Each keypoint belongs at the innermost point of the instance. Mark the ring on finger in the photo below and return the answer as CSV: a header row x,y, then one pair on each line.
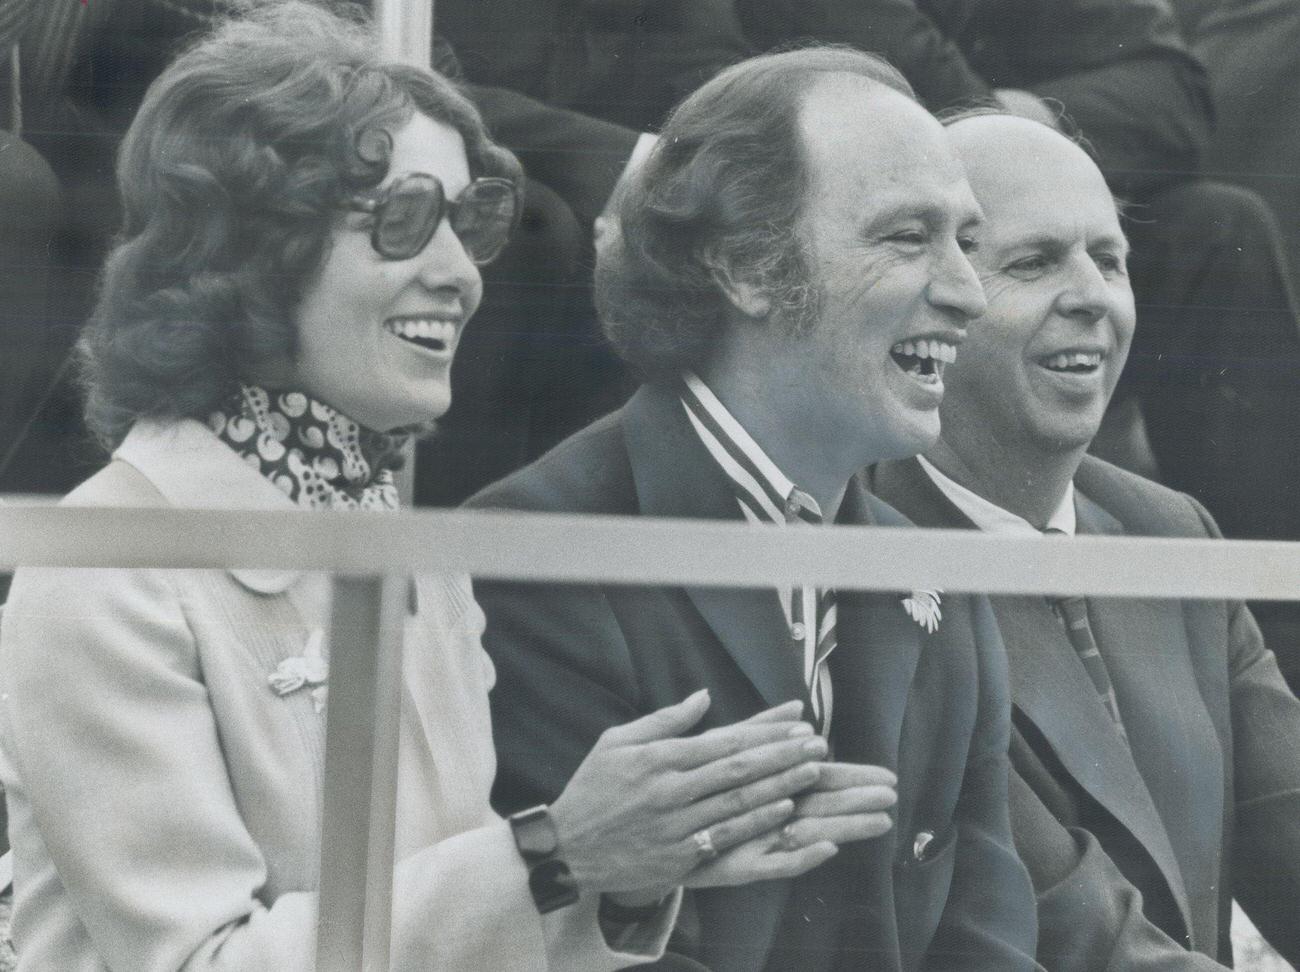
x,y
704,849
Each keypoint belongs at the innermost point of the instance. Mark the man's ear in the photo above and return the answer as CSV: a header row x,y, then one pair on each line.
x,y
740,288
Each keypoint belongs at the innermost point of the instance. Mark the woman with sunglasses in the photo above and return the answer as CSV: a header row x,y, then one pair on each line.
x,y
303,225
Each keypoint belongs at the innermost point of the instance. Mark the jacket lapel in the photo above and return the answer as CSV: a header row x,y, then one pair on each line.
x,y
676,477
1051,688
1053,691
1175,745
193,469
877,654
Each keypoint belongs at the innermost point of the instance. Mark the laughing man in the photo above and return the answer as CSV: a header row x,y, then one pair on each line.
x,y
791,278
1155,747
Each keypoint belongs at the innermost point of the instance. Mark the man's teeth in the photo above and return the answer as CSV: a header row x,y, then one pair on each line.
x,y
938,350
425,330
1073,361
924,360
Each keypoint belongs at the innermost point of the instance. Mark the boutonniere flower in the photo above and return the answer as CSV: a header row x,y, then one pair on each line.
x,y
310,669
923,608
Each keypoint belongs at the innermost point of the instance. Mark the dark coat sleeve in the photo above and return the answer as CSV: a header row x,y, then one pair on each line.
x,y
1266,784
1089,915
990,919
1125,76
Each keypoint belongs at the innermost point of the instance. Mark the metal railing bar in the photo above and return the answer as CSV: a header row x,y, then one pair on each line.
x,y
405,29
360,788
630,550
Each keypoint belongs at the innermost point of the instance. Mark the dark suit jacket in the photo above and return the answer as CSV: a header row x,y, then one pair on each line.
x,y
1205,805
1120,67
573,661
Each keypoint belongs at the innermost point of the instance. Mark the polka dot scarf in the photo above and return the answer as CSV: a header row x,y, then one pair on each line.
x,y
318,457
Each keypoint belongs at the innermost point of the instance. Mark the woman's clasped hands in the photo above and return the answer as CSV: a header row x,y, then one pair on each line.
x,y
650,809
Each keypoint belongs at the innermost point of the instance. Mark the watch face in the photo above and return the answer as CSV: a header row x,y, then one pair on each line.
x,y
535,833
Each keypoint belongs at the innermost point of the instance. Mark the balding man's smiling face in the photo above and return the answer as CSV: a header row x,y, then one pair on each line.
x,y
1039,367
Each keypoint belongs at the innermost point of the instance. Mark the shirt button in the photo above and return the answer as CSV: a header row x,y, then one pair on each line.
x,y
797,631
921,844
791,507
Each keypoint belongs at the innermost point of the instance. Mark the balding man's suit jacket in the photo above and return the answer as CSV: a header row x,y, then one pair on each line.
x,y
1205,803
575,660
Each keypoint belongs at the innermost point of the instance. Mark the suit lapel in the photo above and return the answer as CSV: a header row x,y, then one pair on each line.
x,y
1050,687
877,654
676,477
1145,646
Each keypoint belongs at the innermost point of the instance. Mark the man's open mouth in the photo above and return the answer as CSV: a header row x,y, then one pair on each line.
x,y
429,333
1073,362
924,360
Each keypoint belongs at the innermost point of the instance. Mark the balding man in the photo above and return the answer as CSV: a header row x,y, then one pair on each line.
x,y
1155,746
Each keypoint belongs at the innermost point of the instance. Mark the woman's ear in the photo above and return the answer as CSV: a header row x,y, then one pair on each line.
x,y
741,289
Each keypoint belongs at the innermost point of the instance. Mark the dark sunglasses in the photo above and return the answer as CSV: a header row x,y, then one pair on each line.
x,y
408,210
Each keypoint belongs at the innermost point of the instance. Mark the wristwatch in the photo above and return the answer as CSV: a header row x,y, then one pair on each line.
x,y
549,878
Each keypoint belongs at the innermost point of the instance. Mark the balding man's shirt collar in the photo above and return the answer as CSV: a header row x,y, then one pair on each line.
x,y
992,518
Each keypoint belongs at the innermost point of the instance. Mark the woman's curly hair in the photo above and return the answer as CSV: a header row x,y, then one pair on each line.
x,y
722,188
231,176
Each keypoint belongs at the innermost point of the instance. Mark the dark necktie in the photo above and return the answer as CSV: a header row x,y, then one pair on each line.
x,y
1073,612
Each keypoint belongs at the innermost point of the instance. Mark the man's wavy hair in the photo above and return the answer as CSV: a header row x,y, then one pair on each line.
x,y
722,190
232,176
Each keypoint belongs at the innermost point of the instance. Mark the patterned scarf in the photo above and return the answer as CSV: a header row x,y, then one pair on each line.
x,y
320,458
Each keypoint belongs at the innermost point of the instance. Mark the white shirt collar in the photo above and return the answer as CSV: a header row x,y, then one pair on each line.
x,y
992,518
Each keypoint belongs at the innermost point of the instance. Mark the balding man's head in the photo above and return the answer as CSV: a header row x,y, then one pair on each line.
x,y
1039,367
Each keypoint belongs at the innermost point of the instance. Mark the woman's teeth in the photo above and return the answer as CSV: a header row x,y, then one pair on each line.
x,y
924,359
1073,361
427,332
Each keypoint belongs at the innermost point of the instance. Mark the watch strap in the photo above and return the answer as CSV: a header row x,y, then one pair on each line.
x,y
550,881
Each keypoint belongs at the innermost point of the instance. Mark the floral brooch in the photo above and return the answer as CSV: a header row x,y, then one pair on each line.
x,y
923,608
310,669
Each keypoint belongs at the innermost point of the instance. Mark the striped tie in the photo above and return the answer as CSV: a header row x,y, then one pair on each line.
x,y
1073,612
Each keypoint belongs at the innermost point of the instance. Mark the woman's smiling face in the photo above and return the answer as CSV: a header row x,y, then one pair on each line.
x,y
376,337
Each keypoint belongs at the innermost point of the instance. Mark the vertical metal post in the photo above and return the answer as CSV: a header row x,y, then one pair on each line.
x,y
360,793
406,30
354,926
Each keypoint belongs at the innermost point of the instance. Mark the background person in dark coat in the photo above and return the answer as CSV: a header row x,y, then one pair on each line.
x,y
1138,824
771,367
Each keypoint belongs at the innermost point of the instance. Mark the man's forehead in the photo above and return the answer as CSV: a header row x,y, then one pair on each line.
x,y
1021,208
1053,190
858,132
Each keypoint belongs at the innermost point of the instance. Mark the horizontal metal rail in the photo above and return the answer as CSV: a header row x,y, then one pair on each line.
x,y
625,550
369,554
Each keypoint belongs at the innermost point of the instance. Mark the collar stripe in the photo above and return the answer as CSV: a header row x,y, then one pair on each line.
x,y
743,450
743,474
